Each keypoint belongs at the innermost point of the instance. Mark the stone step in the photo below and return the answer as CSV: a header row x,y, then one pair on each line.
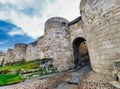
x,y
74,80
77,75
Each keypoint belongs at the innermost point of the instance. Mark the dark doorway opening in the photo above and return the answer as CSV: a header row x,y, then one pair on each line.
x,y
80,52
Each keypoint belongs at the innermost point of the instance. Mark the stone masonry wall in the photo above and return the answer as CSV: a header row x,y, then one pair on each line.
x,y
57,43
40,48
31,51
76,30
19,51
9,57
2,57
102,21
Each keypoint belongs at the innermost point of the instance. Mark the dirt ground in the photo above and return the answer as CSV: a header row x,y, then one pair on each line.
x,y
89,81
96,81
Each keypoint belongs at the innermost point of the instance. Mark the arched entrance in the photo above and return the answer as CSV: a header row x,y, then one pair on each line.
x,y
80,52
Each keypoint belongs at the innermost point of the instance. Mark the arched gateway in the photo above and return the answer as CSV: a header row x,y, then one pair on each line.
x,y
80,52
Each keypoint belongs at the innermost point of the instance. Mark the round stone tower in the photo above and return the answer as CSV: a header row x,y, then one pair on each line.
x,y
57,41
19,51
102,21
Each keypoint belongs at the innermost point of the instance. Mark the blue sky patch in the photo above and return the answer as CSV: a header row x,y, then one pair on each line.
x,y
7,41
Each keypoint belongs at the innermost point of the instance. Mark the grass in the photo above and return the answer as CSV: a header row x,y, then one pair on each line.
x,y
6,79
26,66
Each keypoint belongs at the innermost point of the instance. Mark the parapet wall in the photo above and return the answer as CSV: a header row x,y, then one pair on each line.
x,y
102,21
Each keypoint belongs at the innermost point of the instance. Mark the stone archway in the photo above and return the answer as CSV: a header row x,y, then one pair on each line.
x,y
80,52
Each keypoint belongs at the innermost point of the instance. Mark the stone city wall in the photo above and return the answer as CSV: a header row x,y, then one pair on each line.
x,y
55,44
31,51
102,21
9,57
2,58
76,29
19,51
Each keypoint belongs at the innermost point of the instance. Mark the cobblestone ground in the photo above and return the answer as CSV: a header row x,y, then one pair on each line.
x,y
95,81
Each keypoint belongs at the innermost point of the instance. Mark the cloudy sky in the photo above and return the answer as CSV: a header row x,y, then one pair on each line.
x,y
22,21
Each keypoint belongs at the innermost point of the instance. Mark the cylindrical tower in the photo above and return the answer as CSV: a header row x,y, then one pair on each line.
x,y
102,21
57,43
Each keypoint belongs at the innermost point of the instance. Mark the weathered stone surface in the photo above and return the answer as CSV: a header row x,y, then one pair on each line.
x,y
54,44
57,43
19,51
2,58
102,21
31,51
76,30
9,57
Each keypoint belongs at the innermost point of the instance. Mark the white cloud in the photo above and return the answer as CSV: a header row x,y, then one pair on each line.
x,y
33,25
68,9
16,31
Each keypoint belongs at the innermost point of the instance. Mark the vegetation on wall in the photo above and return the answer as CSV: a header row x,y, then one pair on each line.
x,y
20,71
